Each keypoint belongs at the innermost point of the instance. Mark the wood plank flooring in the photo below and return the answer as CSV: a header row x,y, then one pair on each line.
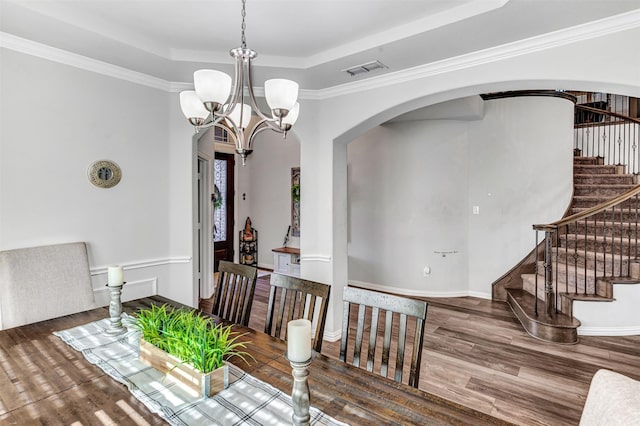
x,y
477,354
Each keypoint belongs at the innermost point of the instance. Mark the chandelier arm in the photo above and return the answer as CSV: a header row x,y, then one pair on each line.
x,y
273,125
238,138
237,88
229,131
253,97
260,127
210,121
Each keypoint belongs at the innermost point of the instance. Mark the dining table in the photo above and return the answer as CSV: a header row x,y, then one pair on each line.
x,y
43,381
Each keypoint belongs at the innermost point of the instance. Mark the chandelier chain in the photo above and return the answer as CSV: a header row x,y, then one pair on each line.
x,y
244,25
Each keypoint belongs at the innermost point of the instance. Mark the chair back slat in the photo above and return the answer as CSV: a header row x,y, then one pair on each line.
x,y
371,353
370,303
359,331
386,348
418,341
235,288
402,338
295,298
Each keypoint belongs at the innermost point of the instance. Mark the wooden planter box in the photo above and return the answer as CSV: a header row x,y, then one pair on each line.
x,y
204,385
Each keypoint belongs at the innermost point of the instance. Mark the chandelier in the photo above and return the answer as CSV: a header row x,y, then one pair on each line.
x,y
214,103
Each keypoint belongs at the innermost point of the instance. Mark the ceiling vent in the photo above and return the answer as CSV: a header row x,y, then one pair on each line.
x,y
364,68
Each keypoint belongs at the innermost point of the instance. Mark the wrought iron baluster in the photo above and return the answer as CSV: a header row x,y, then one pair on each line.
x,y
604,243
636,224
585,261
575,263
557,290
628,231
548,272
595,248
621,249
535,307
566,258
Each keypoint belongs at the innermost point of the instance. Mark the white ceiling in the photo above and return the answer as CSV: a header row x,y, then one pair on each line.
x,y
310,41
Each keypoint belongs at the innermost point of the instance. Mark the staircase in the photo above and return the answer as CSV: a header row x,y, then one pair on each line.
x,y
596,245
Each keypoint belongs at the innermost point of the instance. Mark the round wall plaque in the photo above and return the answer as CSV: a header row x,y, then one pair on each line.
x,y
104,174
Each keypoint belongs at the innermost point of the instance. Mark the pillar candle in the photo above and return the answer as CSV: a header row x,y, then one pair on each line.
x,y
299,340
115,275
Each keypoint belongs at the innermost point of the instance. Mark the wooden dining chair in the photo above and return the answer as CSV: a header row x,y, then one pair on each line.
x,y
370,303
235,287
294,298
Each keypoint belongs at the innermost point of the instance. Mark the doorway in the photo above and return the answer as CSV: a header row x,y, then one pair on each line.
x,y
223,212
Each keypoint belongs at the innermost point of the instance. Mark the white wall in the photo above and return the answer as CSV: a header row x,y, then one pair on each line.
x,y
56,121
520,174
268,203
182,152
412,187
408,198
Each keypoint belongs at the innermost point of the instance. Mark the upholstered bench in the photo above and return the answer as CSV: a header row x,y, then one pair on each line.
x,y
613,399
40,283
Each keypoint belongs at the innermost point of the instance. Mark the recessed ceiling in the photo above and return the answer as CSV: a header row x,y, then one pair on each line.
x,y
311,41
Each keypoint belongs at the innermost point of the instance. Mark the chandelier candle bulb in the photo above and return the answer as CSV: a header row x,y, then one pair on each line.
x,y
299,340
115,275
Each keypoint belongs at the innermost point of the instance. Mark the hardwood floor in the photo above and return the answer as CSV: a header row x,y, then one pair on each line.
x,y
477,354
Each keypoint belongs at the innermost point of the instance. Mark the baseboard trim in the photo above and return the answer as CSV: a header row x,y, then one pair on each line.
x,y
315,258
265,266
420,293
609,331
332,336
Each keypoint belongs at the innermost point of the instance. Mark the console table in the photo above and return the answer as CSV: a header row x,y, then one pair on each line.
x,y
286,260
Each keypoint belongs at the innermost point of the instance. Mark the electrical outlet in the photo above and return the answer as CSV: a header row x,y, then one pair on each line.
x,y
476,209
426,271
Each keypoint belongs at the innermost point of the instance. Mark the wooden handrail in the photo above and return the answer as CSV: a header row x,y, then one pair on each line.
x,y
609,113
589,212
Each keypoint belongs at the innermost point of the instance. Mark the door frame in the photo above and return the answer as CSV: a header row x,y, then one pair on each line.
x,y
204,254
230,196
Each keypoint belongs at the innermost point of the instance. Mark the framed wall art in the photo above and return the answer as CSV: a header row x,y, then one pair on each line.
x,y
295,201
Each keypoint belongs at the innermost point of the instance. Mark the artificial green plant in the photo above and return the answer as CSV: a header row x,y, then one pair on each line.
x,y
189,336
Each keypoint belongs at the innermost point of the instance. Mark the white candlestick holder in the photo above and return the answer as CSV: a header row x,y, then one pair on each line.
x,y
300,393
115,311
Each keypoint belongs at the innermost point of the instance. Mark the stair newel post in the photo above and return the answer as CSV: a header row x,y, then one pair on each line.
x,y
548,271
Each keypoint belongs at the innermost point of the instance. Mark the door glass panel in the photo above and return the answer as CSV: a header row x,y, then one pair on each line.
x,y
220,200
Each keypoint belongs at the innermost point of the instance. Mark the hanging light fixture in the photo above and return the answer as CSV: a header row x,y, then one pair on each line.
x,y
214,103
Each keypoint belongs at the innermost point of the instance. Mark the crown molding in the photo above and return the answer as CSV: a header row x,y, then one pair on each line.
x,y
65,57
423,25
590,30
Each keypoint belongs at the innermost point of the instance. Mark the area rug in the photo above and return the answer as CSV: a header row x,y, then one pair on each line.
x,y
247,401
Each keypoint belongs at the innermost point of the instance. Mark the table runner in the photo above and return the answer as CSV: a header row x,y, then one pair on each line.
x,y
247,401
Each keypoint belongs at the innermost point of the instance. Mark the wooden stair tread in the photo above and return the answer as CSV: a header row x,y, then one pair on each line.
x,y
613,223
587,297
580,269
594,197
592,254
605,185
558,328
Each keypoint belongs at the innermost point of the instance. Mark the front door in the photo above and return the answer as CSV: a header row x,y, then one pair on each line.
x,y
222,199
